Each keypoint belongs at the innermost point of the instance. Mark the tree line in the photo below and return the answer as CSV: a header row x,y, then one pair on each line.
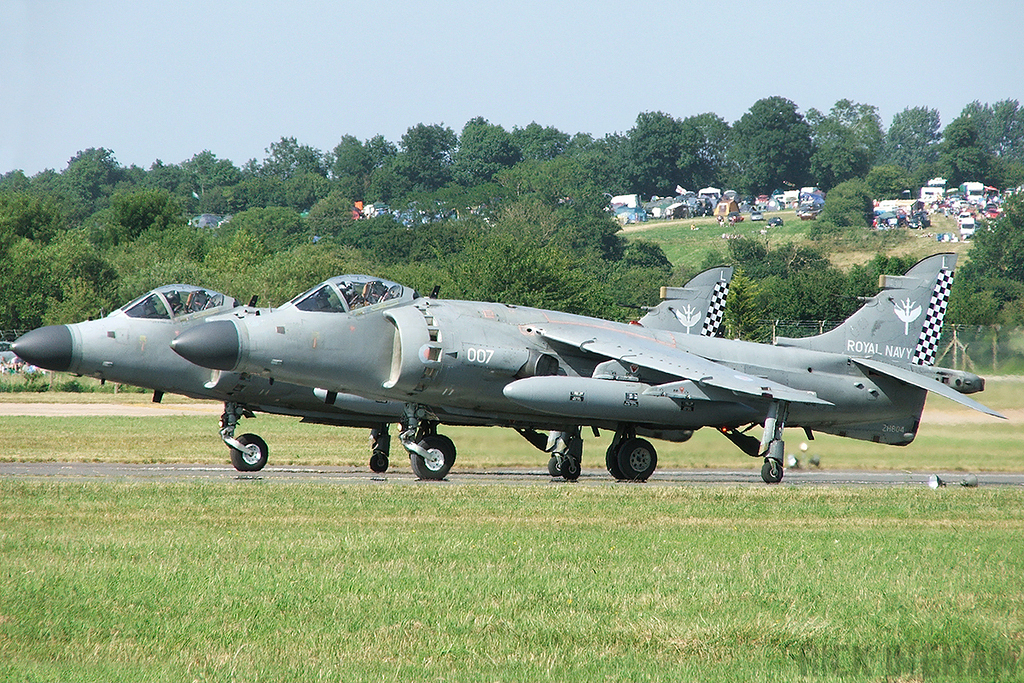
x,y
515,216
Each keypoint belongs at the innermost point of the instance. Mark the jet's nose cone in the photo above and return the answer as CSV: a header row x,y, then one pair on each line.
x,y
213,345
48,347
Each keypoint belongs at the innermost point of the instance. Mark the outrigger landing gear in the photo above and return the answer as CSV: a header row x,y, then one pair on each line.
x,y
629,458
431,454
249,453
566,450
773,448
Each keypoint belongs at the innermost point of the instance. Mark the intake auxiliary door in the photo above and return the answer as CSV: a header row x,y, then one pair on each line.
x,y
416,354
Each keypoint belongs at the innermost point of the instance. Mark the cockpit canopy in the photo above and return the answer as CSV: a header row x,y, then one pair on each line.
x,y
174,301
347,293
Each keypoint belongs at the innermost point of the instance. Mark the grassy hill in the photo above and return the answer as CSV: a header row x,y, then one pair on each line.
x,y
687,242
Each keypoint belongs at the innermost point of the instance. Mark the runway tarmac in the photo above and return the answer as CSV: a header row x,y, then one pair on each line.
x,y
77,471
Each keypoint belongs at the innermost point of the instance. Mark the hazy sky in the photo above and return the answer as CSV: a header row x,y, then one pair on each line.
x,y
166,80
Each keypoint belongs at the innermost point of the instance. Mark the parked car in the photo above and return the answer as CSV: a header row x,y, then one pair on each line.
x,y
756,215
775,222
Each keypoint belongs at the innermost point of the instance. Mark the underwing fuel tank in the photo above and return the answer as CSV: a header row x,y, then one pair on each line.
x,y
588,399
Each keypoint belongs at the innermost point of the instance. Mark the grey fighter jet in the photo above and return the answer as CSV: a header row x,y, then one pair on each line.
x,y
538,369
132,346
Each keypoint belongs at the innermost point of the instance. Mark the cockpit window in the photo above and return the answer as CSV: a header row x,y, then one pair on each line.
x,y
151,307
359,294
173,301
324,298
348,293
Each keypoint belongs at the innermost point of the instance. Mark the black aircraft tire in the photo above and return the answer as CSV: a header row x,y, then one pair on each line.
x,y
440,443
637,459
771,471
611,461
244,462
570,468
379,462
553,466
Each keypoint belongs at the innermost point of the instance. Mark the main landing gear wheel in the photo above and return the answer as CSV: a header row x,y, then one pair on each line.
x,y
611,460
637,459
254,457
771,471
441,452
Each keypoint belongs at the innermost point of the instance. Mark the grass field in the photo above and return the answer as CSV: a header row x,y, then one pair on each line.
x,y
687,242
253,581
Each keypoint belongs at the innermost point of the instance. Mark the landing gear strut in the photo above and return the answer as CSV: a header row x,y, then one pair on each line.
x,y
249,453
773,448
380,445
566,450
431,454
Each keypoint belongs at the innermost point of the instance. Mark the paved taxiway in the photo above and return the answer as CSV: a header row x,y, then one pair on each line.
x,y
77,471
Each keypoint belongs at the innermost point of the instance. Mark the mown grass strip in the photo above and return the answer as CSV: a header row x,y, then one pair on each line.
x,y
257,581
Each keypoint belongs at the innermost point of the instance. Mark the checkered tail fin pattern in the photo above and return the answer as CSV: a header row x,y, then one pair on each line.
x,y
928,343
716,309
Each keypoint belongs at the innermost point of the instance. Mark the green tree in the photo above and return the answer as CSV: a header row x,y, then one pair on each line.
x,y
207,173
849,205
26,284
38,217
517,269
743,311
276,228
887,182
1000,128
287,159
330,215
846,142
703,151
913,138
424,163
651,154
90,179
963,157
132,213
484,150
537,143
998,249
82,281
771,146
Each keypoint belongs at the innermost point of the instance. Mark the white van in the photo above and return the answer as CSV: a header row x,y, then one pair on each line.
x,y
967,224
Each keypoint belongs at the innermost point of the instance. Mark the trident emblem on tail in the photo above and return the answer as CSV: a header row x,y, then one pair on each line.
x,y
907,312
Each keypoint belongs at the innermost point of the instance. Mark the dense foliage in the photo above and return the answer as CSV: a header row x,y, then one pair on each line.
x,y
518,216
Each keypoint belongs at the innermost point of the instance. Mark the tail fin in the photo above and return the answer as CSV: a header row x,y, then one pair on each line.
x,y
695,308
894,326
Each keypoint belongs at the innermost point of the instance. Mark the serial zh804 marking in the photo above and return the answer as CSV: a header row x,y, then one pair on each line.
x,y
470,362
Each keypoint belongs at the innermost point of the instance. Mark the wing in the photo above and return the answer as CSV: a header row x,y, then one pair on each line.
x,y
639,350
922,382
